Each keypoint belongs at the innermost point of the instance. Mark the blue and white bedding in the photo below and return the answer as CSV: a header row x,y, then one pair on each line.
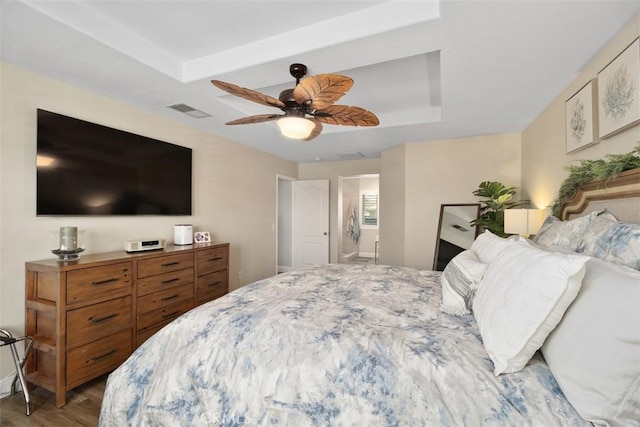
x,y
334,345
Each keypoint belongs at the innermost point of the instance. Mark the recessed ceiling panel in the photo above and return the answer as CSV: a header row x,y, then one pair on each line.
x,y
199,28
399,92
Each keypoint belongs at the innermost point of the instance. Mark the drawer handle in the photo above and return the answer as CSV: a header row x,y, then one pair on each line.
x,y
218,258
214,283
164,316
171,297
104,319
169,264
104,282
103,356
175,279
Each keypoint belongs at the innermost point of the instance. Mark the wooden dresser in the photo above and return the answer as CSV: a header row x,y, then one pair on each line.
x,y
87,316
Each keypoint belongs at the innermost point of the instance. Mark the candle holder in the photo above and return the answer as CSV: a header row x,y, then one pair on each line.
x,y
67,255
70,244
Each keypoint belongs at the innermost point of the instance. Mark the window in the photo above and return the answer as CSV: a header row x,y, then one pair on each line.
x,y
370,209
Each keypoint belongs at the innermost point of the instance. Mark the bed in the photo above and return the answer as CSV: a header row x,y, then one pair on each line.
x,y
382,345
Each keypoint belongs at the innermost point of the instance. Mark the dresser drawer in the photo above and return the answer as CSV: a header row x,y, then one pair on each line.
x,y
164,315
100,283
212,286
211,260
150,267
97,321
144,335
97,358
159,282
164,298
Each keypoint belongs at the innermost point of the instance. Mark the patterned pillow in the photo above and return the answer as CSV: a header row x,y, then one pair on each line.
x,y
612,241
567,233
459,281
548,222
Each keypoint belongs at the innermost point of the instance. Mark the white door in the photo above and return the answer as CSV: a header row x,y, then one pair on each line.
x,y
310,222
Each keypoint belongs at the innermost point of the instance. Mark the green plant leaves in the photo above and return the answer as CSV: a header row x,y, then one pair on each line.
x,y
498,198
589,170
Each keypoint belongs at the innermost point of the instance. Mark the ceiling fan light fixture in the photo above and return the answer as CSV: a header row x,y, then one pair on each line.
x,y
295,127
306,107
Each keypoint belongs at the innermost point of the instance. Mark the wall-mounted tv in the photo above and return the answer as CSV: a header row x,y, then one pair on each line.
x,y
88,169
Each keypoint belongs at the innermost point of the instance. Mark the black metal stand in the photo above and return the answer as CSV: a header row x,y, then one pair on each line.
x,y
7,339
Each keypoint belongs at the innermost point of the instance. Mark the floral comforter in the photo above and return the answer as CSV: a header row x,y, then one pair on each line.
x,y
331,345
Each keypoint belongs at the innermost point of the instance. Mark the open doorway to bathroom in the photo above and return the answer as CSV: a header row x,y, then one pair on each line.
x,y
358,218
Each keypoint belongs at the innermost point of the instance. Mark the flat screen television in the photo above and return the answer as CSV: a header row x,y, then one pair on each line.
x,y
88,169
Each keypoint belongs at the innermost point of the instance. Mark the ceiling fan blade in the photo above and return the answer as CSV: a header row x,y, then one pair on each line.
x,y
346,116
255,119
316,130
322,90
249,94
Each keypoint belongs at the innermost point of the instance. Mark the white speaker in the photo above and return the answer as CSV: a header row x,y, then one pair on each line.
x,y
183,234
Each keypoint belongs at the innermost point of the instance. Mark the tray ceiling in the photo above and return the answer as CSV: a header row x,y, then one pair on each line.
x,y
429,70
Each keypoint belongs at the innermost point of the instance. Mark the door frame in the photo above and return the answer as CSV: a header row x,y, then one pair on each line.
x,y
280,177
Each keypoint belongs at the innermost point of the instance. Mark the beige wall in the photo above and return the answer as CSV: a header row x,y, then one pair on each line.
x,y
543,142
392,205
331,171
223,203
435,173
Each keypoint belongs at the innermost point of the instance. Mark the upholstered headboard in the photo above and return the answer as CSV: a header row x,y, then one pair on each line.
x,y
619,195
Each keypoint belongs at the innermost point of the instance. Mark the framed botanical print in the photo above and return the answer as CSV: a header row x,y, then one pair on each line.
x,y
619,92
580,123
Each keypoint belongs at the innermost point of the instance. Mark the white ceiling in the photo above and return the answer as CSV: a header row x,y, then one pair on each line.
x,y
429,70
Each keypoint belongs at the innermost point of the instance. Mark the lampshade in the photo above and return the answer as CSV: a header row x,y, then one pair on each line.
x,y
523,221
295,127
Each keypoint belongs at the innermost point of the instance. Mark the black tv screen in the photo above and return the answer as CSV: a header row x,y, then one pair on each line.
x,y
88,169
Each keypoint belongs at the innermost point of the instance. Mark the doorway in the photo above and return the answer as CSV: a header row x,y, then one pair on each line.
x,y
302,230
358,218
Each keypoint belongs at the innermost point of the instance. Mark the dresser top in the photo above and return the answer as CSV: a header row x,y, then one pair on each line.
x,y
91,260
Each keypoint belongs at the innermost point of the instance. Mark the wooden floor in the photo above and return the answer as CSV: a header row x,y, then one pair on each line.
x,y
82,408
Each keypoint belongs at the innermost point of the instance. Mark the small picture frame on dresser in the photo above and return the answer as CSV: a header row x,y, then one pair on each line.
x,y
201,237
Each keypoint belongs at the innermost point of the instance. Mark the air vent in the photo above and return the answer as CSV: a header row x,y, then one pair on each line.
x,y
189,111
351,156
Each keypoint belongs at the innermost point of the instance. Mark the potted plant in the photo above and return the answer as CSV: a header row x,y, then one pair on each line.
x,y
497,199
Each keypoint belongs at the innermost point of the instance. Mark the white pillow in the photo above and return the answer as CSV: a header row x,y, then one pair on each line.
x,y
521,298
487,246
459,281
594,353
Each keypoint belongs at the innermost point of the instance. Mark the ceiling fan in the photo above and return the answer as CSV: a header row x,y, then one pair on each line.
x,y
306,106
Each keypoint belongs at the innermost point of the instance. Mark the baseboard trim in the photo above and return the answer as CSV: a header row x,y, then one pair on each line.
x,y
284,268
